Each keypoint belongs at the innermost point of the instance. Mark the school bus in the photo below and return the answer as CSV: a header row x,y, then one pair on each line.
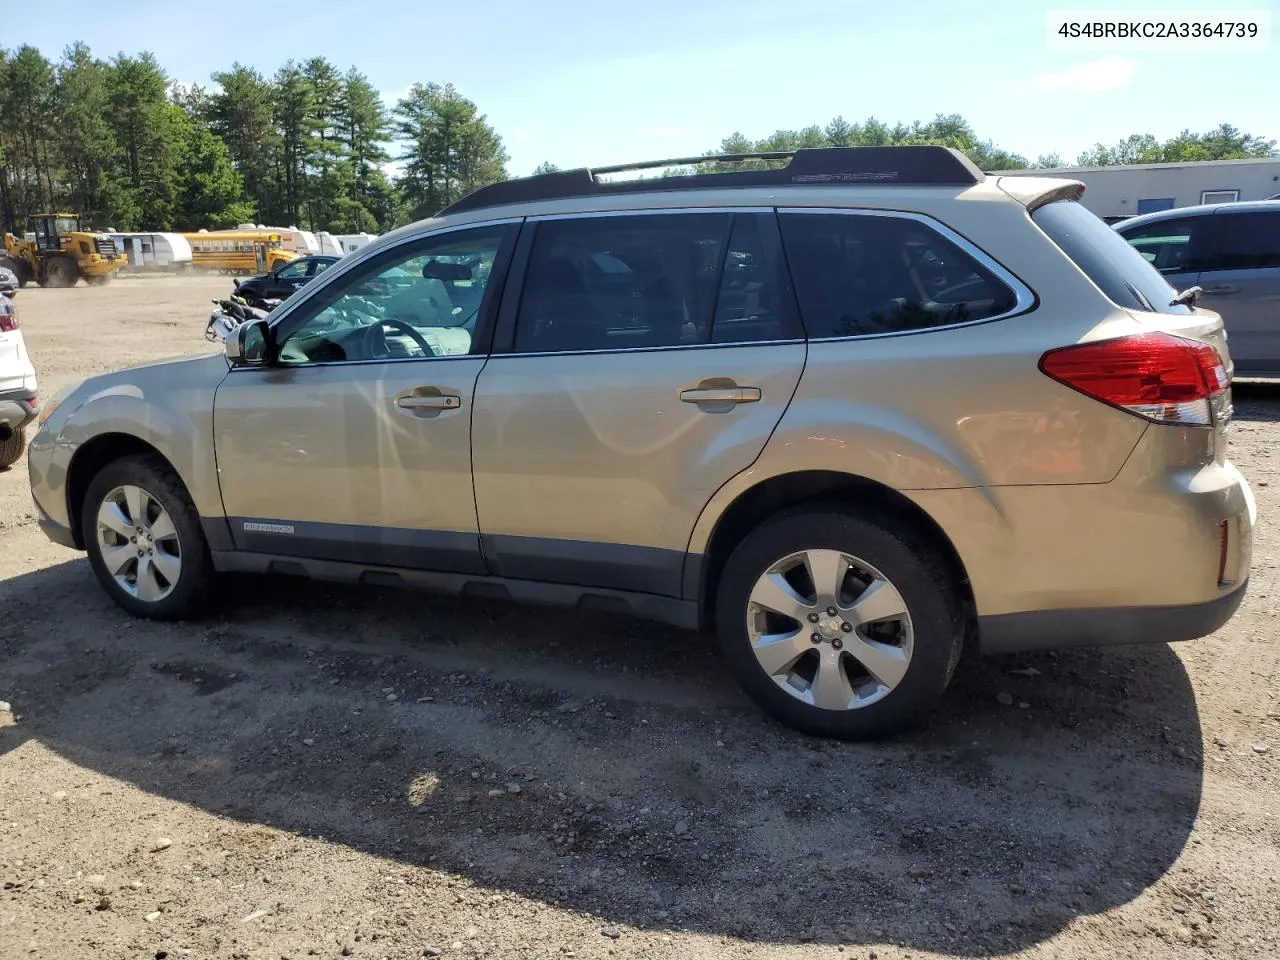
x,y
237,251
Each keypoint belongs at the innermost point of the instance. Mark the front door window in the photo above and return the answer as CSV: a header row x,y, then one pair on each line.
x,y
421,301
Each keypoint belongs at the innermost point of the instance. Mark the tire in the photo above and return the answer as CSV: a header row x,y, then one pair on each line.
x,y
181,590
915,655
11,449
61,272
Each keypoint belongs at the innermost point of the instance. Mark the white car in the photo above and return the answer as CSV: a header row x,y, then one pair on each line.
x,y
18,404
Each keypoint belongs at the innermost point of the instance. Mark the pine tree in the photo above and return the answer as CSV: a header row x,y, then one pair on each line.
x,y
364,129
149,131
331,178
449,149
86,145
294,109
241,114
27,111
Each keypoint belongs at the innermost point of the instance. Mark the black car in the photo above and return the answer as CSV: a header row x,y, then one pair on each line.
x,y
285,279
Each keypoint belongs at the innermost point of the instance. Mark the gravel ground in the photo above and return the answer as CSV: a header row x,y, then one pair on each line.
x,y
329,772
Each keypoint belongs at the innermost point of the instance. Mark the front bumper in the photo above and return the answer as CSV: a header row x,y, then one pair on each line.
x,y
59,533
47,466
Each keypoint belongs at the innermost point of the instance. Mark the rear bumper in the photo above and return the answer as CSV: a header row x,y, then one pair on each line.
x,y
1108,626
17,408
1139,559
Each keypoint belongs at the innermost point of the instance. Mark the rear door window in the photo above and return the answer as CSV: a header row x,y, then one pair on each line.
x,y
1249,241
1106,258
755,303
860,274
621,282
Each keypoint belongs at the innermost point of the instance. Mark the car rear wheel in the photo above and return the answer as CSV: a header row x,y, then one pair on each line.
x,y
838,626
144,540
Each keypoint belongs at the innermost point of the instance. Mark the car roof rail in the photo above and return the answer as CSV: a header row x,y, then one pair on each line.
x,y
914,166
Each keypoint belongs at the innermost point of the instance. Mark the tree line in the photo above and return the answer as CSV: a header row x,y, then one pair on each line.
x,y
1224,142
119,142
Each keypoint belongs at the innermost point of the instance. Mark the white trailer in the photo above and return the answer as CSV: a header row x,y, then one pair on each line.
x,y
340,244
154,251
328,243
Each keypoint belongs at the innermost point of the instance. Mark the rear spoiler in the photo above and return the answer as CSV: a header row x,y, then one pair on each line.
x,y
1035,192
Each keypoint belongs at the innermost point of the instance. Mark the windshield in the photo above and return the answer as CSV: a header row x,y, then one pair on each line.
x,y
1106,258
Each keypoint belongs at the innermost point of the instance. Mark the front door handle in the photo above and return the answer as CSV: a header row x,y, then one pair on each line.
x,y
720,395
1221,289
436,401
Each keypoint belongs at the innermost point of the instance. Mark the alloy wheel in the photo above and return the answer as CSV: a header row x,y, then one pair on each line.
x,y
830,629
138,543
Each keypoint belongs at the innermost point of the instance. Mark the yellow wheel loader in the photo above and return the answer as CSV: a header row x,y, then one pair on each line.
x,y
60,253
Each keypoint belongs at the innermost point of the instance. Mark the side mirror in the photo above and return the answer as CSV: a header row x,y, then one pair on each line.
x,y
247,344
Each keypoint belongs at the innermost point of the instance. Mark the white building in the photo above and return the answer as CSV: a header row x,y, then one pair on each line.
x,y
1116,192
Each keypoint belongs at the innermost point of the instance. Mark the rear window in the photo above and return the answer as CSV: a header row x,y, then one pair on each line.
x,y
860,274
1106,258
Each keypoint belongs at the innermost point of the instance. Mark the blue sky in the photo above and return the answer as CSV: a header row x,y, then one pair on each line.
x,y
596,83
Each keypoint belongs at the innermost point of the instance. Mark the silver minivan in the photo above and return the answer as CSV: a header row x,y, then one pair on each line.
x,y
1232,252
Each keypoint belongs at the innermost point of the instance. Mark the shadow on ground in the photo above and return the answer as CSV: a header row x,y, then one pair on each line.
x,y
650,791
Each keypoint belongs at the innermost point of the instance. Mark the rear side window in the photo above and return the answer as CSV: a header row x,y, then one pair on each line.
x,y
1171,246
1248,241
1106,258
862,274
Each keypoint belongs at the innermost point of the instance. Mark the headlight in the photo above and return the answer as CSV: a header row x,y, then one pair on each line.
x,y
50,405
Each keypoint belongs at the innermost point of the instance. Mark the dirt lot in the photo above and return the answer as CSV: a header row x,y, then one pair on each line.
x,y
328,772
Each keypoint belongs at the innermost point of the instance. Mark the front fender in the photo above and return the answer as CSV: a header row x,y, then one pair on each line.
x,y
168,406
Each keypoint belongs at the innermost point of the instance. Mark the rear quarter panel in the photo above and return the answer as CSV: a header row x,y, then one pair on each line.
x,y
959,408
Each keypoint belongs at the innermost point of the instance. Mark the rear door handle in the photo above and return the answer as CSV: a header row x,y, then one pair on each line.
x,y
429,402
720,395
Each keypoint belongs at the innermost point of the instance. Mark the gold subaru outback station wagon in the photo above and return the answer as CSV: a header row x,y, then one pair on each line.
x,y
854,410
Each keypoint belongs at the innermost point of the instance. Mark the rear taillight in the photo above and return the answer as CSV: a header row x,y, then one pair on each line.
x,y
8,322
1159,376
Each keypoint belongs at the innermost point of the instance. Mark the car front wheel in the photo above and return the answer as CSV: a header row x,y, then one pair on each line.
x,y
838,626
144,540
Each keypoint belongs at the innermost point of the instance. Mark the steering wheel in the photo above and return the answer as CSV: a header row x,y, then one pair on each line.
x,y
375,338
